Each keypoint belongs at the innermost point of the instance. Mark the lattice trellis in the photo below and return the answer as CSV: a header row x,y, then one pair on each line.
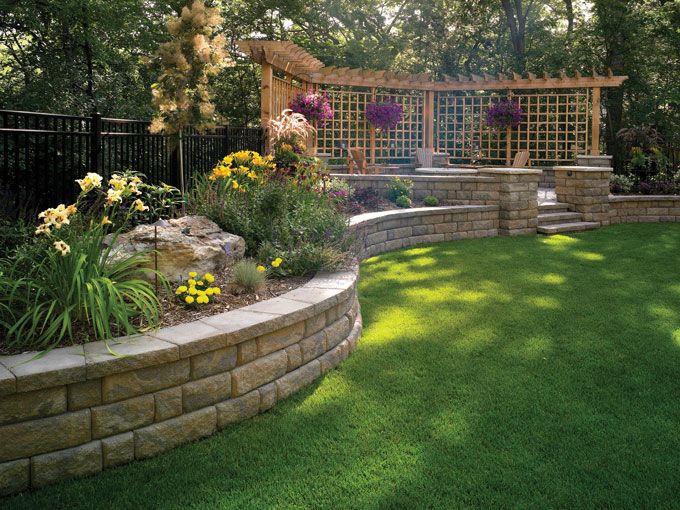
x,y
283,92
553,130
350,129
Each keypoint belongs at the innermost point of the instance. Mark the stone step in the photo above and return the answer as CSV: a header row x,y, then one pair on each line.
x,y
554,218
553,207
562,228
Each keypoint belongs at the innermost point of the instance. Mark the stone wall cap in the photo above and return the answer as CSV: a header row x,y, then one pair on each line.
x,y
511,171
413,177
375,217
583,168
8,381
34,371
643,198
593,156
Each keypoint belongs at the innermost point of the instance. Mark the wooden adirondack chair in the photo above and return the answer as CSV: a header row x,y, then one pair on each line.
x,y
521,159
357,160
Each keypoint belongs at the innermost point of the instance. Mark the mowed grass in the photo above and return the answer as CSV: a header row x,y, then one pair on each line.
x,y
528,372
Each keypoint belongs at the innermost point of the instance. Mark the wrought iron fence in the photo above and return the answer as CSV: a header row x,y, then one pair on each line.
x,y
42,154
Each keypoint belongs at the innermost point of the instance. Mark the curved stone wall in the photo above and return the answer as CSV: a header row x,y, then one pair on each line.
x,y
644,208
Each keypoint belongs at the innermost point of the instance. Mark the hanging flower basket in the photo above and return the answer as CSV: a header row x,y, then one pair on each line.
x,y
504,114
315,106
385,114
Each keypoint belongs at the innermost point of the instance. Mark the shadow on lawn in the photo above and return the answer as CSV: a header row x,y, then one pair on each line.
x,y
505,372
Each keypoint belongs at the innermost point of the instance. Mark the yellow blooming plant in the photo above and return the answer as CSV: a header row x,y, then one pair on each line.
x,y
193,292
240,170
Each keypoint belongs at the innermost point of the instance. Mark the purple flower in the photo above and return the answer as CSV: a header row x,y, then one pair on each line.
x,y
384,115
504,114
315,106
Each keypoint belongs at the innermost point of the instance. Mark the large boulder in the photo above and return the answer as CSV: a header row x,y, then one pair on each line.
x,y
190,243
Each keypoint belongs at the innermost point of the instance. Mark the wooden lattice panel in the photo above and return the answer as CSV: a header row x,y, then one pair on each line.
x,y
283,92
350,129
554,128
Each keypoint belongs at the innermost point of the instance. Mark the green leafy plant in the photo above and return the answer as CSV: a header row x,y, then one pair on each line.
x,y
249,275
431,201
619,183
66,282
399,187
403,201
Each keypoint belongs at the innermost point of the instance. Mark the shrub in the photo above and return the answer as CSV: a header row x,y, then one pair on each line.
x,y
65,281
398,187
431,201
249,275
367,197
619,183
280,212
403,201
338,190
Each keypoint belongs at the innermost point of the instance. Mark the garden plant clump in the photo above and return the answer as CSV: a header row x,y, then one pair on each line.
x,y
62,285
504,114
277,203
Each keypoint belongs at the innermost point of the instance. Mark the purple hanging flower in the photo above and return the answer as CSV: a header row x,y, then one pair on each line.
x,y
504,113
384,115
315,106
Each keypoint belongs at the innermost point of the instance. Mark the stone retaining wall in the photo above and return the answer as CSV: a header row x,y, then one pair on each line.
x,y
79,410
644,208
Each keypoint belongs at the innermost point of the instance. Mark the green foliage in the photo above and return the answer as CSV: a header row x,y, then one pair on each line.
x,y
249,275
431,201
403,201
619,183
398,187
278,214
47,298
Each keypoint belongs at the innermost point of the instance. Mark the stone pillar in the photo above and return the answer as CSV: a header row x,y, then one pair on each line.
x,y
518,199
586,189
589,160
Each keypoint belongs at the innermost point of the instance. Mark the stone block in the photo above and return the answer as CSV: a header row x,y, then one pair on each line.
x,y
297,379
168,434
168,403
131,353
313,346
294,356
56,368
399,233
267,396
337,332
34,437
32,404
65,464
238,409
246,352
315,324
258,372
213,362
111,419
144,380
84,394
117,450
378,237
193,337
279,339
15,476
333,314
206,392
8,383
330,360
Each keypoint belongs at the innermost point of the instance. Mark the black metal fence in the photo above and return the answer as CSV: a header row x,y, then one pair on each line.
x,y
42,154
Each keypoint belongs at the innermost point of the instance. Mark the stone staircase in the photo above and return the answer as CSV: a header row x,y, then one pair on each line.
x,y
556,218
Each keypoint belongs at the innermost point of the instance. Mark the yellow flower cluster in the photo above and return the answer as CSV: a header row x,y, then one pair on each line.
x,y
242,168
56,217
274,263
195,291
90,181
122,186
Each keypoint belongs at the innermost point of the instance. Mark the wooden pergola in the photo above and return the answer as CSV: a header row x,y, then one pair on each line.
x,y
443,115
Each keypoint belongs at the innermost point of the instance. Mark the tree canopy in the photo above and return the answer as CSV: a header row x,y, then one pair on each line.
x,y
77,56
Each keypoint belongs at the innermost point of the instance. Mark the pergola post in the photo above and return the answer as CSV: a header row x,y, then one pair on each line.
x,y
266,94
371,152
595,132
428,120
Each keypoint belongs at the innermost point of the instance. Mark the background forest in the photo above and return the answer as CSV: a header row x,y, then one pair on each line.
x,y
80,56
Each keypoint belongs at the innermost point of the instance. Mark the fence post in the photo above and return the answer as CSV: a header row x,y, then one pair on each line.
x,y
95,142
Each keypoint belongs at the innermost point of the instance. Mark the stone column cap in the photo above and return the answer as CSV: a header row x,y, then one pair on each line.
x,y
511,171
593,156
584,168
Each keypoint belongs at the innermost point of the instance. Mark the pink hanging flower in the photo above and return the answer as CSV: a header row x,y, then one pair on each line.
x,y
385,114
504,113
315,106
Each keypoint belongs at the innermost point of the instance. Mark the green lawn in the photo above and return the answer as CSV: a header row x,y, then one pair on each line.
x,y
527,372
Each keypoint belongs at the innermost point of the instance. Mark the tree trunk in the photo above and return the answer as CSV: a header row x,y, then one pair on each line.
x,y
516,19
